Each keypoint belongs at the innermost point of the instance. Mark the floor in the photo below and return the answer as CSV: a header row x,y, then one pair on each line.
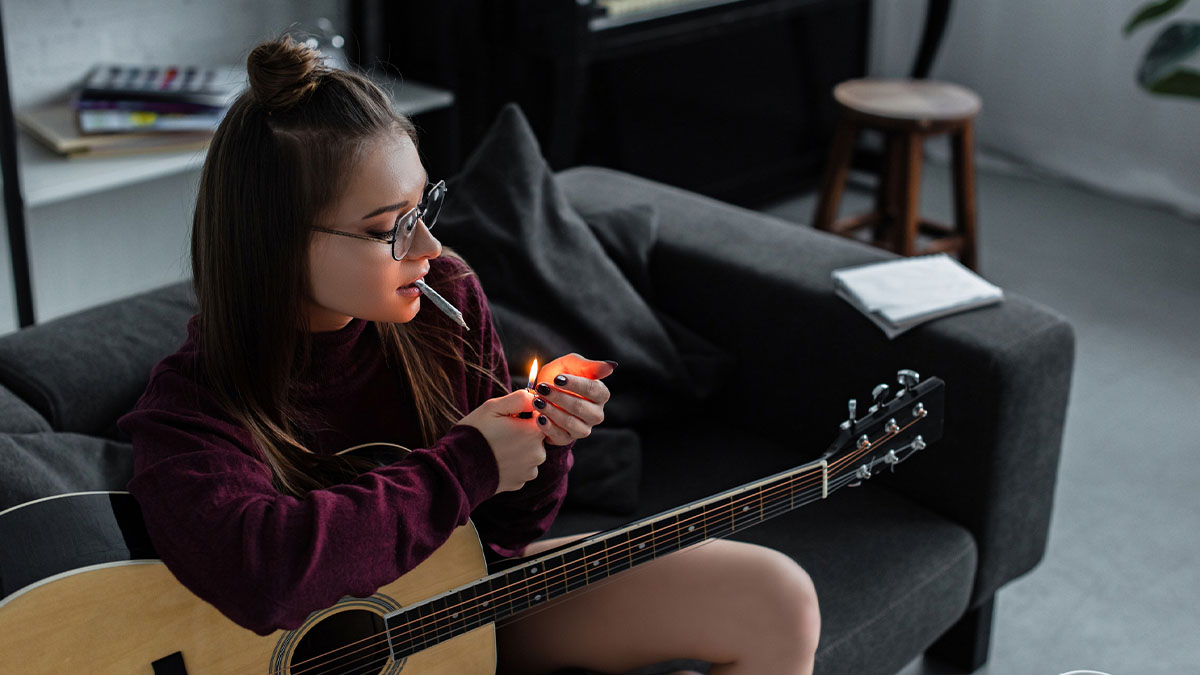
x,y
1119,589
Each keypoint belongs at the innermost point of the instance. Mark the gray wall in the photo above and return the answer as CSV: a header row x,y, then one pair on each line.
x,y
1059,94
109,245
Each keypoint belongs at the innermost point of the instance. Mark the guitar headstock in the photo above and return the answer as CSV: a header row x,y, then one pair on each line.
x,y
895,426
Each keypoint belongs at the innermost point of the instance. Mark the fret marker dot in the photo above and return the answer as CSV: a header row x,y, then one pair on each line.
x,y
641,546
595,563
532,569
485,603
454,615
745,508
691,528
538,596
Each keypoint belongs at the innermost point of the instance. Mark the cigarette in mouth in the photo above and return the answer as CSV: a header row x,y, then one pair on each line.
x,y
441,303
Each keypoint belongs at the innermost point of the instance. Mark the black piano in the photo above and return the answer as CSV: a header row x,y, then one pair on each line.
x,y
730,98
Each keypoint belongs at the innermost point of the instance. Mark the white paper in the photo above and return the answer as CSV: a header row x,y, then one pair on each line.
x,y
903,293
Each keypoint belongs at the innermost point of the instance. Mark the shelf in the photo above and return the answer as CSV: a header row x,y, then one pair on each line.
x,y
47,178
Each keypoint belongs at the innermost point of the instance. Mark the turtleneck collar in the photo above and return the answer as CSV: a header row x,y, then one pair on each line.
x,y
333,353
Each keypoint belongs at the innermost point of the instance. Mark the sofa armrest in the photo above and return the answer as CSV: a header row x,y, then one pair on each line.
x,y
760,287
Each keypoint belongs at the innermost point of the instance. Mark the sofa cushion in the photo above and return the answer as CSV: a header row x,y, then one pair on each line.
x,y
83,371
552,286
607,470
42,464
16,417
901,574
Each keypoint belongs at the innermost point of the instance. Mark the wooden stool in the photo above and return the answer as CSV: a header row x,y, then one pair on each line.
x,y
906,111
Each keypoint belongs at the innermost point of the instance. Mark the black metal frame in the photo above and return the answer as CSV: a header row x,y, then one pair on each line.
x,y
14,202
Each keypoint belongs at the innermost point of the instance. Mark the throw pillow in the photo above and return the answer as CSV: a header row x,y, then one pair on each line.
x,y
552,287
16,417
39,465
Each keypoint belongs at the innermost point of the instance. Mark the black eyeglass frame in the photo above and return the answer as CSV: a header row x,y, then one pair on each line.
x,y
425,212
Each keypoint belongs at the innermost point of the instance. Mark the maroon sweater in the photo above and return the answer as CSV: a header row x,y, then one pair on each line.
x,y
267,560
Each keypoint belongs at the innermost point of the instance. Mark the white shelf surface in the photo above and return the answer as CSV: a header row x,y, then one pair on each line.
x,y
47,178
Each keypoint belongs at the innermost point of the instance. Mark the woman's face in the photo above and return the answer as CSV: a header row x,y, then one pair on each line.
x,y
354,278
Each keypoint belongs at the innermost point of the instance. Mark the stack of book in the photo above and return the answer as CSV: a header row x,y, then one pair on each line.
x,y
123,109
897,295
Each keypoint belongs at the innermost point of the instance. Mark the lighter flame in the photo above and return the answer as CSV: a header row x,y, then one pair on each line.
x,y
533,370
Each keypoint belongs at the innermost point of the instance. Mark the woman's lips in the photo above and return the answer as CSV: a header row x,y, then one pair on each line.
x,y
411,289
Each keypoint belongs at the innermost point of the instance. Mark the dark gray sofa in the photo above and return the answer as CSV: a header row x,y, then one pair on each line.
x,y
905,564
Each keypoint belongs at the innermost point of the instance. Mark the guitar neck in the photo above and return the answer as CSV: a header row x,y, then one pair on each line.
x,y
554,574
534,582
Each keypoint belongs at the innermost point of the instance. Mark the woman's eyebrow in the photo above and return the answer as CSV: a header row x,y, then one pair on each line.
x,y
392,207
385,209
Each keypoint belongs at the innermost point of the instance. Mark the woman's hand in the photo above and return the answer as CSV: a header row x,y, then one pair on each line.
x,y
516,443
571,397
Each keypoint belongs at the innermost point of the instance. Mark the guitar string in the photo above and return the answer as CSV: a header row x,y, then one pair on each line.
x,y
790,485
374,656
605,553
777,508
374,661
691,548
368,666
436,628
377,642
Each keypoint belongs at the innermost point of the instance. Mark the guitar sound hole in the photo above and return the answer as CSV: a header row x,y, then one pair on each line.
x,y
346,643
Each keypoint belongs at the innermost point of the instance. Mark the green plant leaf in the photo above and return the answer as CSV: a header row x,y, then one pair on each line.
x,y
1150,12
1172,46
1183,82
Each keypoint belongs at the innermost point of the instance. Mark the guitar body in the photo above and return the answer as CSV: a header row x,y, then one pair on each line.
x,y
88,604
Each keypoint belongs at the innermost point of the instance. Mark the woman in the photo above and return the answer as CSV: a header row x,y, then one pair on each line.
x,y
311,228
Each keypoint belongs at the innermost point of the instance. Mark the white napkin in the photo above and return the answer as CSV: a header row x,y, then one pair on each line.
x,y
900,294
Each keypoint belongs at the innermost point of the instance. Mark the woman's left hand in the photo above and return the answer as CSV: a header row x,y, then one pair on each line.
x,y
570,397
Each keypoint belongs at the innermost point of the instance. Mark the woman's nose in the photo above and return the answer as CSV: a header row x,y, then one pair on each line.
x,y
424,245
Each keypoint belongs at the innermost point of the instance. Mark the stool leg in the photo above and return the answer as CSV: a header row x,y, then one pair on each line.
x,y
964,193
888,195
906,234
834,182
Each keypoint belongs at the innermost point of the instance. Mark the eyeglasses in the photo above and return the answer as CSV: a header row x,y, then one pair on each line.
x,y
401,236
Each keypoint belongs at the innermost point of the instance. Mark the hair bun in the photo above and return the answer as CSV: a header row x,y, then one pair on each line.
x,y
282,72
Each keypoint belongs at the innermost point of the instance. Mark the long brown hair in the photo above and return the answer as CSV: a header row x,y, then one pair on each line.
x,y
278,159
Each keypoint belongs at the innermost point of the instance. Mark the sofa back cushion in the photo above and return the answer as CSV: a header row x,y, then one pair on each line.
x,y
83,371
37,465
17,417
552,283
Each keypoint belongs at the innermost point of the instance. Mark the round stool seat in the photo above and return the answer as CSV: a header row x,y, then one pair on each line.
x,y
907,112
908,100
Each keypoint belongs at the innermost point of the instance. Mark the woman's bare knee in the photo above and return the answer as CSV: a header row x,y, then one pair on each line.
x,y
744,608
794,607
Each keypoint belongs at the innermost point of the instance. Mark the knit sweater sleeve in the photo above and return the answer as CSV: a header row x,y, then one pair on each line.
x,y
267,560
509,521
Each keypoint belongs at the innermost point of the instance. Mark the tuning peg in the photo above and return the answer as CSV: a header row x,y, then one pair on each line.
x,y
853,412
879,396
908,378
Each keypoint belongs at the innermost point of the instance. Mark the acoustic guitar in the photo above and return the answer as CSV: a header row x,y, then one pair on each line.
x,y
82,590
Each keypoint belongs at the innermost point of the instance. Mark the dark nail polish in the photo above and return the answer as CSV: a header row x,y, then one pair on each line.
x,y
543,389
560,380
542,421
539,404
614,364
